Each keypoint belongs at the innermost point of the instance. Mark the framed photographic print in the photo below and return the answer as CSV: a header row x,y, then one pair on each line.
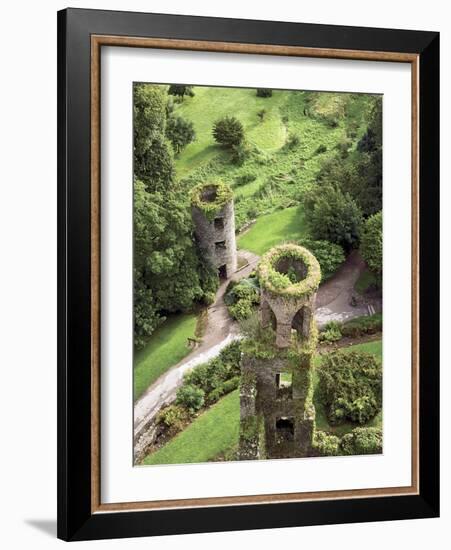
x,y
248,274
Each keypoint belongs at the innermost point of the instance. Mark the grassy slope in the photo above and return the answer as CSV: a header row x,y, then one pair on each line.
x,y
322,423
280,174
211,433
272,229
166,348
210,104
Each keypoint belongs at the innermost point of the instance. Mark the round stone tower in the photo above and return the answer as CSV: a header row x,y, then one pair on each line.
x,y
289,278
214,225
277,414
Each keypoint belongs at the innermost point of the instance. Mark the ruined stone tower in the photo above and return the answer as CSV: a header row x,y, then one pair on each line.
x,y
276,394
214,225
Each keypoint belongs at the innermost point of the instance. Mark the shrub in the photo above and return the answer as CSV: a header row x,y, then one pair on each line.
x,y
211,375
228,131
173,417
261,114
223,389
242,297
190,397
181,90
321,149
362,325
362,441
264,92
180,132
329,255
239,153
241,310
371,243
350,386
343,147
293,140
326,444
330,333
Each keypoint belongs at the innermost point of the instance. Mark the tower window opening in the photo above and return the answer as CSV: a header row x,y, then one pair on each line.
x,y
284,429
284,385
221,245
219,223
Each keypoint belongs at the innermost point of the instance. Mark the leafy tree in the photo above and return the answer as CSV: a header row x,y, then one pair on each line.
x,y
156,166
164,249
181,90
264,92
146,317
228,131
153,157
180,132
334,216
350,386
149,115
371,243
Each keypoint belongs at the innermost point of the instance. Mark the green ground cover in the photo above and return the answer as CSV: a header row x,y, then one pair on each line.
x,y
366,279
375,348
272,229
166,347
212,433
279,173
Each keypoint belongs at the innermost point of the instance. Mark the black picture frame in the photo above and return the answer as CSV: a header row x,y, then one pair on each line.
x,y
76,521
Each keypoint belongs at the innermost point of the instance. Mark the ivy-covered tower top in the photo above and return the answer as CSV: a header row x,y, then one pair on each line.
x,y
214,225
289,277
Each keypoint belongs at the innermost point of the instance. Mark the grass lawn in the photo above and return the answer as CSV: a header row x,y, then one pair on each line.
x,y
366,279
375,348
210,104
272,229
166,347
212,433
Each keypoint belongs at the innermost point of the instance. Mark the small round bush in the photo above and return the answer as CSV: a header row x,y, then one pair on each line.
x,y
173,417
350,386
326,444
190,397
264,92
228,131
330,333
362,441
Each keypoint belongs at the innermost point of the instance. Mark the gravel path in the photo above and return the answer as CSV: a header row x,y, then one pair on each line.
x,y
334,296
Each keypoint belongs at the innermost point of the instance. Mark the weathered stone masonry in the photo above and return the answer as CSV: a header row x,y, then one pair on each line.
x,y
214,225
276,394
